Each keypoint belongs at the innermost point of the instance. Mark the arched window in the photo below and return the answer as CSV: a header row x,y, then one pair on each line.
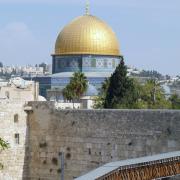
x,y
16,118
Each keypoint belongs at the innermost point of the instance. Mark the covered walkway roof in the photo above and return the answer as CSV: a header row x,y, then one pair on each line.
x,y
107,168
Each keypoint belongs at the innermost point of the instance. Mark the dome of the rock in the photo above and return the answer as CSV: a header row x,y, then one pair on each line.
x,y
88,45
87,35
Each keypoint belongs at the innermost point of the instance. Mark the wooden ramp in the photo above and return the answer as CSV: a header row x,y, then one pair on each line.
x,y
145,168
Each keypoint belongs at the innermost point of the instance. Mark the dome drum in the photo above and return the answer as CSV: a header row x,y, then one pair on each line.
x,y
87,44
85,63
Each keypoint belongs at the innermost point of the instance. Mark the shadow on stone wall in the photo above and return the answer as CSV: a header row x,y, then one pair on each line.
x,y
27,157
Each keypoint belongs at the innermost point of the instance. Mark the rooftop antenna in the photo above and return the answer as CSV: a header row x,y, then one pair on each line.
x,y
87,7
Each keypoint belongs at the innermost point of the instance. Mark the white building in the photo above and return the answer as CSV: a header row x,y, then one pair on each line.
x,y
14,95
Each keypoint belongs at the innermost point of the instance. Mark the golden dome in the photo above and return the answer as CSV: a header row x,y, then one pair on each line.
x,y
87,35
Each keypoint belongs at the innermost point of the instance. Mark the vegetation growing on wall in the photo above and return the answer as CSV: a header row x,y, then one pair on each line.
x,y
3,145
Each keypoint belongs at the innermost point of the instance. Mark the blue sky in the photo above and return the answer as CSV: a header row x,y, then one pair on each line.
x,y
148,30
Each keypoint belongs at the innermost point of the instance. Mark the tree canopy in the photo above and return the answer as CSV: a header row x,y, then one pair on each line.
x,y
121,92
153,95
76,88
175,101
152,74
44,66
100,99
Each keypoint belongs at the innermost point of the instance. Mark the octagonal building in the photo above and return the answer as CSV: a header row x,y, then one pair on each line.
x,y
86,44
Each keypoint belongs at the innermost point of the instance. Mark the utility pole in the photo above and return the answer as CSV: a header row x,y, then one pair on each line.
x,y
61,156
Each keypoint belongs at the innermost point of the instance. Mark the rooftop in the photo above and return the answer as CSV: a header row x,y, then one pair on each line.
x,y
107,168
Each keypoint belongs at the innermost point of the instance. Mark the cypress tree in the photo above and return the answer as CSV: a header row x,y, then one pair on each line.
x,y
121,92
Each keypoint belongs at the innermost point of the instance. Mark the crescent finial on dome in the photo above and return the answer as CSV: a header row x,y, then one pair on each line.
x,y
87,7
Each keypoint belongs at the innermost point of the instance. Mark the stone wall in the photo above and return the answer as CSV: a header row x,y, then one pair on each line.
x,y
29,92
13,124
90,138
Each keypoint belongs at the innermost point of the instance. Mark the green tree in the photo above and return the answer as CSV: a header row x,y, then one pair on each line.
x,y
76,88
44,66
153,95
122,92
175,101
100,99
152,74
68,93
79,83
3,145
1,64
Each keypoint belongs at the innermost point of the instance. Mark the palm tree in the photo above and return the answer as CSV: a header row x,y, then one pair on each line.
x,y
67,93
79,83
76,88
